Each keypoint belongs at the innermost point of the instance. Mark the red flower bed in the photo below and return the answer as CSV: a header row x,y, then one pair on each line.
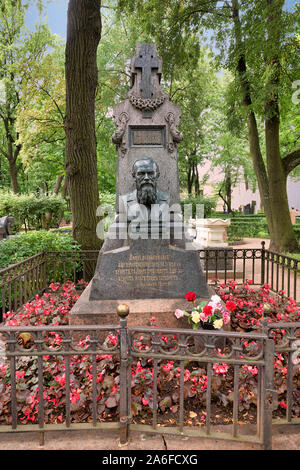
x,y
247,309
249,306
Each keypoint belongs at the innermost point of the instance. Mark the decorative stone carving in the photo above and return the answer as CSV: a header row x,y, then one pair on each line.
x,y
118,136
146,61
146,104
174,135
134,264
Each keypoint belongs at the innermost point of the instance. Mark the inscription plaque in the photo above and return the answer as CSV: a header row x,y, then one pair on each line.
x,y
147,136
148,269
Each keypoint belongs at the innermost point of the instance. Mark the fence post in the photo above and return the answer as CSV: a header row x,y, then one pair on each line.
x,y
263,257
269,393
123,311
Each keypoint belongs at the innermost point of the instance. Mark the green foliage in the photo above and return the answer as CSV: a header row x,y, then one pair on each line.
x,y
30,210
21,53
297,232
251,229
24,246
40,118
209,204
107,198
249,225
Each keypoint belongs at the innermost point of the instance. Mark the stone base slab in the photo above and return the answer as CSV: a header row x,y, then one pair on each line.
x,y
104,312
230,274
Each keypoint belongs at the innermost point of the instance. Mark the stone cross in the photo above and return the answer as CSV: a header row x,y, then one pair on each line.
x,y
146,61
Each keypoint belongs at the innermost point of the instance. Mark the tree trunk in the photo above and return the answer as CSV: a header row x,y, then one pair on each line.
x,y
228,193
197,184
282,236
83,36
13,151
271,181
190,179
64,190
13,173
58,184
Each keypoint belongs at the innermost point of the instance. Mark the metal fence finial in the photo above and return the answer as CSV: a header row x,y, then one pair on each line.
x,y
123,310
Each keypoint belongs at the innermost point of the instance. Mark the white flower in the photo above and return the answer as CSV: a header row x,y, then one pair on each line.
x,y
218,324
215,299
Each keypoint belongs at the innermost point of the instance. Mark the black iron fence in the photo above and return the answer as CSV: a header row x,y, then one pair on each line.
x,y
259,265
286,336
282,273
131,346
21,282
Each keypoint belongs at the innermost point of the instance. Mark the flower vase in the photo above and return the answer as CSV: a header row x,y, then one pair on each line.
x,y
206,325
199,341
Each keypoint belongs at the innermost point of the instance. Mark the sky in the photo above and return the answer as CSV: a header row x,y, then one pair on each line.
x,y
56,14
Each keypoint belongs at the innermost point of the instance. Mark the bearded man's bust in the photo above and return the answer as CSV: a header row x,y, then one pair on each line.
x,y
145,172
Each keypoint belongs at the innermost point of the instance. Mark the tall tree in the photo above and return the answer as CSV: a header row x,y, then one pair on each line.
x,y
20,52
11,21
40,120
83,36
272,175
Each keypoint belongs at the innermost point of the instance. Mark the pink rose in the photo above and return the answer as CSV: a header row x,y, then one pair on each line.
x,y
179,313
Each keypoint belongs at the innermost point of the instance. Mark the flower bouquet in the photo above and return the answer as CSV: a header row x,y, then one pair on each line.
x,y
208,315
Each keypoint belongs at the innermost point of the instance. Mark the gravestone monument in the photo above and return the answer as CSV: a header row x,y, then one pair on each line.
x,y
144,261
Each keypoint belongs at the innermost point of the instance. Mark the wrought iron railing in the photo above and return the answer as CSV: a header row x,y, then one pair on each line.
x,y
21,282
282,273
286,336
259,265
183,348
204,348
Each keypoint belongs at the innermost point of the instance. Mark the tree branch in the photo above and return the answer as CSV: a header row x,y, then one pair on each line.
x,y
291,161
4,153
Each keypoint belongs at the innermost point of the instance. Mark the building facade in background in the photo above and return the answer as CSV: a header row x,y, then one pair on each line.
x,y
243,199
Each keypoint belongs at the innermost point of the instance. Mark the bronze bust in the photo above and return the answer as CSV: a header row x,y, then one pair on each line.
x,y
145,172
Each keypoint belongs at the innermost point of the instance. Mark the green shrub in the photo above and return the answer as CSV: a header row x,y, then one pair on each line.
x,y
251,229
23,246
209,204
68,216
30,211
297,232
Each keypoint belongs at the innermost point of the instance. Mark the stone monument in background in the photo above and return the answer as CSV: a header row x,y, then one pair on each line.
x,y
144,261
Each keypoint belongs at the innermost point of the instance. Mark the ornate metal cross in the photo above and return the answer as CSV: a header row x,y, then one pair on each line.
x,y
147,61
